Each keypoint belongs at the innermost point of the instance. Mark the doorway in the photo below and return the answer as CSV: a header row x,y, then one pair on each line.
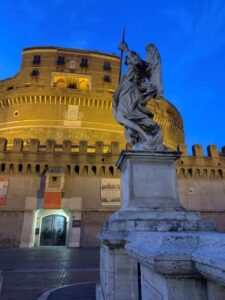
x,y
53,231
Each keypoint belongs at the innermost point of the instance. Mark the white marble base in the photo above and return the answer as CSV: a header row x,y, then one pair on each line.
x,y
149,180
152,245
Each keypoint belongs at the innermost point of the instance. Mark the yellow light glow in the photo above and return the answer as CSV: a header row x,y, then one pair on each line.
x,y
74,81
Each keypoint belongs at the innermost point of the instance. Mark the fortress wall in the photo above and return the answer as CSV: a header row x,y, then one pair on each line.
x,y
201,182
11,222
84,165
92,222
201,179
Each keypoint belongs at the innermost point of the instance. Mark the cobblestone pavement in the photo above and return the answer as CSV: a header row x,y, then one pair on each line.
x,y
27,273
79,291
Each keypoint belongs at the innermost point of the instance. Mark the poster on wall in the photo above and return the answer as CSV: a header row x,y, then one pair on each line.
x,y
3,189
110,191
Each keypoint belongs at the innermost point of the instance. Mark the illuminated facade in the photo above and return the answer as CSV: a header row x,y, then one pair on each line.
x,y
59,144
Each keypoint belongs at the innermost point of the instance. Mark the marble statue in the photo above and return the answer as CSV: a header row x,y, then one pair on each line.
x,y
141,82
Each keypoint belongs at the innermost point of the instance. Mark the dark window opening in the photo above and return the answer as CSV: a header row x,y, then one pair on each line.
x,y
94,169
37,168
10,88
107,66
2,167
72,86
34,73
54,178
84,63
36,60
77,169
20,168
111,170
190,172
107,78
61,60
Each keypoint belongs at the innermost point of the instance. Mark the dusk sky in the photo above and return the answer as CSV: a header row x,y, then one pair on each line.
x,y
190,35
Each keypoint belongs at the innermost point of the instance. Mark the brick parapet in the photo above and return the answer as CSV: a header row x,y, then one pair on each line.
x,y
199,166
22,158
98,159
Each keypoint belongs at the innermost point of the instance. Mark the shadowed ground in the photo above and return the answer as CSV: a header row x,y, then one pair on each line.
x,y
28,273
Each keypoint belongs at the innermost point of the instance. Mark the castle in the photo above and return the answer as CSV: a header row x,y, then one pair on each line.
x,y
59,144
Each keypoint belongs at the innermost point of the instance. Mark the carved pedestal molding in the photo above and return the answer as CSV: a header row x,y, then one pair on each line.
x,y
152,248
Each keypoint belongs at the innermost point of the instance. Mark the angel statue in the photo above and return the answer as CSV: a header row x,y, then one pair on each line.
x,y
141,82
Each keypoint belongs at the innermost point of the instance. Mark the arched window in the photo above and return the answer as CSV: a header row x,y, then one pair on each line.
x,y
37,169
111,170
190,172
2,168
94,170
220,172
20,168
77,170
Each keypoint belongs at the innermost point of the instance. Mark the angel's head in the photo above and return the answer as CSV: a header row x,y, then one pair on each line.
x,y
152,53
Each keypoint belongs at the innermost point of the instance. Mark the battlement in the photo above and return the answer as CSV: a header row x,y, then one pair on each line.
x,y
34,146
31,157
197,166
197,151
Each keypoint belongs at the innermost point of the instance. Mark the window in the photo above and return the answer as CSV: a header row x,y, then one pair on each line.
x,y
84,63
61,60
72,86
34,73
54,178
36,60
71,81
10,88
107,66
107,78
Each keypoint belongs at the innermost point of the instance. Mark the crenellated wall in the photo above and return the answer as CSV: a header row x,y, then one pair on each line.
x,y
79,160
25,157
197,166
201,179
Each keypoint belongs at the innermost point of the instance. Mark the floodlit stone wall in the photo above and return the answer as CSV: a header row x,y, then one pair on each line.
x,y
201,179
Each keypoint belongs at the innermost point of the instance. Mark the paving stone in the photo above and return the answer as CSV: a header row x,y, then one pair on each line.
x,y
28,273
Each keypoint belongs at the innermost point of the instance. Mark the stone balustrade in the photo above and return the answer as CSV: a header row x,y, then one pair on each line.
x,y
196,259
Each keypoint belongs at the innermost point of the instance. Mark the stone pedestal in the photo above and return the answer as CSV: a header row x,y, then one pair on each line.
x,y
149,196
149,180
147,246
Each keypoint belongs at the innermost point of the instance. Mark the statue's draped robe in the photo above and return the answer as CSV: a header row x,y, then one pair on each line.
x,y
128,95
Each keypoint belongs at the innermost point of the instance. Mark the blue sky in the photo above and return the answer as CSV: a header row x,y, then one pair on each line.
x,y
190,35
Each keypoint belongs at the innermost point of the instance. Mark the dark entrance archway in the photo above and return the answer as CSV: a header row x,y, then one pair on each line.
x,y
53,231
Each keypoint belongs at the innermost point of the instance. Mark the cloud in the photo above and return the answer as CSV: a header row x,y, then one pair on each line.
x,y
200,28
